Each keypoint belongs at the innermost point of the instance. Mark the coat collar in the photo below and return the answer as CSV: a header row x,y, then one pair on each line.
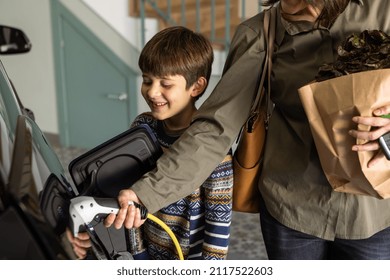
x,y
298,27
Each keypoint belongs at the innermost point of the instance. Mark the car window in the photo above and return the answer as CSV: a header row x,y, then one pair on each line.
x,y
10,103
7,123
5,144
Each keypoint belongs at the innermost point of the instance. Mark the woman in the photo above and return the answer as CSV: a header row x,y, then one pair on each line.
x,y
302,217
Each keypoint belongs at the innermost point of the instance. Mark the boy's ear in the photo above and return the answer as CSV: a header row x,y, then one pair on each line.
x,y
199,86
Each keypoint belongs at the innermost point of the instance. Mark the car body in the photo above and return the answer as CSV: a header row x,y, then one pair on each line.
x,y
34,189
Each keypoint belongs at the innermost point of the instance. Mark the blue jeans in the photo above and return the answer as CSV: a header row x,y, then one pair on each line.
x,y
283,243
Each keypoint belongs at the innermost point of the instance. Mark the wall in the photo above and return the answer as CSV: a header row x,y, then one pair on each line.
x,y
115,13
33,73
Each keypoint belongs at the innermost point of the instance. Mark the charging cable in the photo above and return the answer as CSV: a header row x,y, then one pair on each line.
x,y
145,214
170,233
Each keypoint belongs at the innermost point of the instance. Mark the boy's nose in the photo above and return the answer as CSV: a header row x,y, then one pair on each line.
x,y
154,91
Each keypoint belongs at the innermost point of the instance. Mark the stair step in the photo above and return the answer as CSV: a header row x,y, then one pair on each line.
x,y
176,6
205,15
205,21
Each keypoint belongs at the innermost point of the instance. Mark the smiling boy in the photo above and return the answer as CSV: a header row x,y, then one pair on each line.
x,y
176,67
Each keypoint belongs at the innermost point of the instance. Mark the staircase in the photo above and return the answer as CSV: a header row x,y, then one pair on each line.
x,y
215,19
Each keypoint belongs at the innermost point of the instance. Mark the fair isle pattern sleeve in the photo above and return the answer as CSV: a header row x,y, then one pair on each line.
x,y
137,247
218,195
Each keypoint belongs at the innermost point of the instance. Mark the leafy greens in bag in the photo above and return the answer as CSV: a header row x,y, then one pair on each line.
x,y
369,50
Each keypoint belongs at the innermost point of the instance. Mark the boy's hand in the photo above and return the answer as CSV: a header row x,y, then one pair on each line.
x,y
128,215
380,126
80,244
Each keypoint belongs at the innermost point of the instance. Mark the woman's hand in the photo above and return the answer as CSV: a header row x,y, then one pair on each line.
x,y
80,244
128,215
379,126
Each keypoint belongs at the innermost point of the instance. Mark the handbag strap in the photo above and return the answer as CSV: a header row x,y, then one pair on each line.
x,y
269,35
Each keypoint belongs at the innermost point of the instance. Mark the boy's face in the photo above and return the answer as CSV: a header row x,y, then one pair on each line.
x,y
168,97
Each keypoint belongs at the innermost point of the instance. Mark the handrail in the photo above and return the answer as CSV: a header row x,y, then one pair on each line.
x,y
167,16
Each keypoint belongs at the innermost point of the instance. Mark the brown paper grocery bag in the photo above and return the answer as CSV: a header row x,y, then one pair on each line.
x,y
330,106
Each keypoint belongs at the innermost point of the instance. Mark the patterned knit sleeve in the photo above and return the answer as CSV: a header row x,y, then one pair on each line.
x,y
135,236
144,118
218,190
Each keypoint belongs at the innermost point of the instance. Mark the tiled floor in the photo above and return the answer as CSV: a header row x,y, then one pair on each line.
x,y
246,242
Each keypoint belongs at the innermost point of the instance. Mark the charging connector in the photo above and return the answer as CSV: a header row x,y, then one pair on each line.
x,y
86,211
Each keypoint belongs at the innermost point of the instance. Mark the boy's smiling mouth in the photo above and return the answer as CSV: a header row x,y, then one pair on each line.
x,y
157,105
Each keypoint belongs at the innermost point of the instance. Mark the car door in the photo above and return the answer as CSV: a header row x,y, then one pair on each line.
x,y
34,190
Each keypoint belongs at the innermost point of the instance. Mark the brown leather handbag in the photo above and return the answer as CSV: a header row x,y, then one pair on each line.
x,y
247,159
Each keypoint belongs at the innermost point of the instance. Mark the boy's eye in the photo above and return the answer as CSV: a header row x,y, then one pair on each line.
x,y
166,85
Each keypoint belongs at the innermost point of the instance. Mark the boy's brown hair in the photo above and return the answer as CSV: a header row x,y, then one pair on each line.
x,y
178,50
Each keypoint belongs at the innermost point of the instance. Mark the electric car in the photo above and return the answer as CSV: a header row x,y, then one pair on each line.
x,y
34,190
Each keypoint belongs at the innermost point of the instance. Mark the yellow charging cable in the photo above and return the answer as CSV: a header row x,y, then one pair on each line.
x,y
170,233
